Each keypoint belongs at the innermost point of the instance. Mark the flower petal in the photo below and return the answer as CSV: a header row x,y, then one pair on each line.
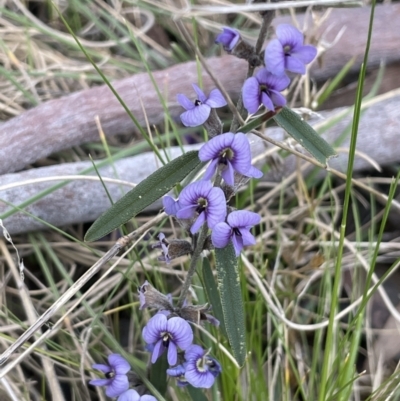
x,y
181,333
293,64
197,116
172,355
147,397
251,95
119,384
211,169
157,351
237,243
212,149
198,223
192,192
277,98
186,212
130,395
243,218
100,382
305,54
221,234
102,368
274,58
253,172
216,209
121,365
171,205
216,99
241,160
247,237
200,94
267,102
152,331
228,174
288,35
185,102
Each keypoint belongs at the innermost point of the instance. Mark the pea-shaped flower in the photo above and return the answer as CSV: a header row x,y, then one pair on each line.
x,y
197,112
228,38
287,52
237,228
115,372
199,199
264,88
232,152
199,369
167,334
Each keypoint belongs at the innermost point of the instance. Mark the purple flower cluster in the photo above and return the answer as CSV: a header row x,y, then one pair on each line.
x,y
116,380
285,53
169,330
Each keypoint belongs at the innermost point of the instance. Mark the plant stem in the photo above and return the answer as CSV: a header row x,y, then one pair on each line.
x,y
193,263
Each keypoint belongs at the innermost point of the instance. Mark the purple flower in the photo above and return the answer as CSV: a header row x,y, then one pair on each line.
x,y
264,89
169,334
237,228
198,111
198,198
232,151
288,52
200,369
228,38
133,395
179,372
115,372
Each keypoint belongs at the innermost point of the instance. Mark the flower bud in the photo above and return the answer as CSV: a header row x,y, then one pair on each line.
x,y
149,297
172,249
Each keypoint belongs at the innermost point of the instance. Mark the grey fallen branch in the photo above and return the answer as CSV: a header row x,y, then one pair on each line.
x,y
83,201
69,121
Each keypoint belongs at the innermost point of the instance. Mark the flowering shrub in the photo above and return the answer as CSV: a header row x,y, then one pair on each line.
x,y
202,208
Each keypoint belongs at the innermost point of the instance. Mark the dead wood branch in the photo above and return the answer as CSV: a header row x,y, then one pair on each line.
x,y
82,201
70,121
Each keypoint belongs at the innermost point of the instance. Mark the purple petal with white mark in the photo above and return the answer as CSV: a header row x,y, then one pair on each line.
x,y
181,332
185,102
251,95
121,365
156,325
197,116
288,35
119,384
200,94
216,99
221,234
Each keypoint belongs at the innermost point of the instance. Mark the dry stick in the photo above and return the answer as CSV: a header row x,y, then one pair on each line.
x,y
120,244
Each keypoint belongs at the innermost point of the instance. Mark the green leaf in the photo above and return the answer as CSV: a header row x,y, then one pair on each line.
x,y
213,295
143,195
158,374
303,133
196,394
231,300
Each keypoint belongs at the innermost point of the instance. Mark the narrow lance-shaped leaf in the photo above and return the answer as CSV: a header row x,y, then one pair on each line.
x,y
144,194
231,300
213,295
303,133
